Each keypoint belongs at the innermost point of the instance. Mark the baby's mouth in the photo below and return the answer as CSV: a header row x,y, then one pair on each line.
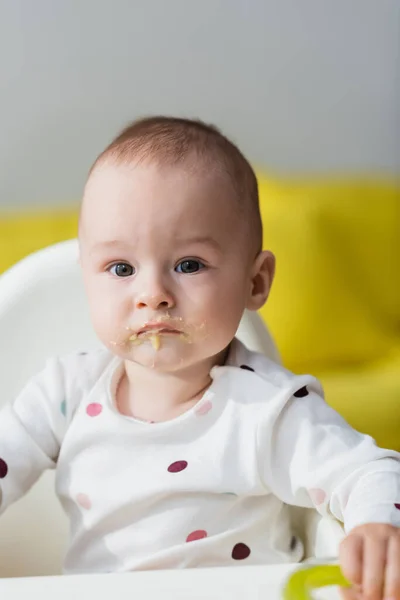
x,y
154,333
157,329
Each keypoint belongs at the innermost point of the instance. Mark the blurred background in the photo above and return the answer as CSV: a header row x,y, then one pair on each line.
x,y
310,86
309,90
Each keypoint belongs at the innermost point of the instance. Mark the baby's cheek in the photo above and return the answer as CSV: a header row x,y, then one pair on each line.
x,y
222,316
108,318
228,304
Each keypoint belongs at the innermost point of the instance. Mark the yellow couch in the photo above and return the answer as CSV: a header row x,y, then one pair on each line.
x,y
335,305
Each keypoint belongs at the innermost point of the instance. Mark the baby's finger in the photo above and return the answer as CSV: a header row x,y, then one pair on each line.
x,y
392,576
374,568
351,558
350,593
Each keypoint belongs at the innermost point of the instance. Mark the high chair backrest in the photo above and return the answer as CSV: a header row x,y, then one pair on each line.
x,y
43,312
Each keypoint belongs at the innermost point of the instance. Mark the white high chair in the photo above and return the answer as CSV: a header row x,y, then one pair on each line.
x,y
43,312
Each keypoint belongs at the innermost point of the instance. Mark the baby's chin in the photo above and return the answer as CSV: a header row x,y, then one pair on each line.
x,y
163,360
168,356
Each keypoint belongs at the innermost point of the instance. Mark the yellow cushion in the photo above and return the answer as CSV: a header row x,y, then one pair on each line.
x,y
335,305
368,397
25,232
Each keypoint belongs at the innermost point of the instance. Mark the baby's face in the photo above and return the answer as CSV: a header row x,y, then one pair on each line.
x,y
165,262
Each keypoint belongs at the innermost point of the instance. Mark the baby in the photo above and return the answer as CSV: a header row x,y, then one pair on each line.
x,y
175,446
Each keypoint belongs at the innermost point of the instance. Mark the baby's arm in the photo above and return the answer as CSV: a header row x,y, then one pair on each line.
x,y
31,430
318,460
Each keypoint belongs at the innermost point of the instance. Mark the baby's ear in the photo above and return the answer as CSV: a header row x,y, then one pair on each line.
x,y
262,275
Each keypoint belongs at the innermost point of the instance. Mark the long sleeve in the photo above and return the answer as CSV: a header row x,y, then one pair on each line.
x,y
310,456
31,431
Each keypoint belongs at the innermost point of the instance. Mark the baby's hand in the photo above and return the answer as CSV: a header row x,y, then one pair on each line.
x,y
370,560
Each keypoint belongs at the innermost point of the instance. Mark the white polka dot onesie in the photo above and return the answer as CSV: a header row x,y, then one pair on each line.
x,y
209,488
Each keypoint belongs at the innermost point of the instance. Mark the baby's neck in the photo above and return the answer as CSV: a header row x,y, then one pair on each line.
x,y
153,396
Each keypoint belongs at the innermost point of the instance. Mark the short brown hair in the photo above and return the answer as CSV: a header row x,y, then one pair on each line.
x,y
173,140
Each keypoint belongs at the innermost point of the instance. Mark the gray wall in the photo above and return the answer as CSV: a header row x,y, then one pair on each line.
x,y
301,85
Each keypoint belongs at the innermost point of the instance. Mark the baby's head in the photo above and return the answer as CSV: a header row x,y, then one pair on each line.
x,y
170,241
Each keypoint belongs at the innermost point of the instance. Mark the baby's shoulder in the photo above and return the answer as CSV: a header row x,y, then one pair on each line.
x,y
78,373
257,367
72,376
252,378
84,368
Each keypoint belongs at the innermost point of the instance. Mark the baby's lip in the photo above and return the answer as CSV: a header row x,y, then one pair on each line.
x,y
157,328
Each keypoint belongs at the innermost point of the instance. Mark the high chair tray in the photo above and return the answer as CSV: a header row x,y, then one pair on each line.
x,y
240,583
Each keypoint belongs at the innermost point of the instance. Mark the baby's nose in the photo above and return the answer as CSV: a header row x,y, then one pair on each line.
x,y
161,300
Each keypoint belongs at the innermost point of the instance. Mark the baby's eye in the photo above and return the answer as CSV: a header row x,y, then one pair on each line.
x,y
121,269
189,266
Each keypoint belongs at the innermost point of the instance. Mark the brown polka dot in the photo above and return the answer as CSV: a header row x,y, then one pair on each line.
x,y
301,392
397,505
3,468
176,467
240,552
246,368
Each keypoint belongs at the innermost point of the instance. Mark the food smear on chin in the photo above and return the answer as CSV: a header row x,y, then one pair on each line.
x,y
134,340
153,338
155,341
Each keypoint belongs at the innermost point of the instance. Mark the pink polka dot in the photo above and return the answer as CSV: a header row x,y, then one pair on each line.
x,y
397,505
199,534
204,408
84,501
317,495
94,409
176,467
3,468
